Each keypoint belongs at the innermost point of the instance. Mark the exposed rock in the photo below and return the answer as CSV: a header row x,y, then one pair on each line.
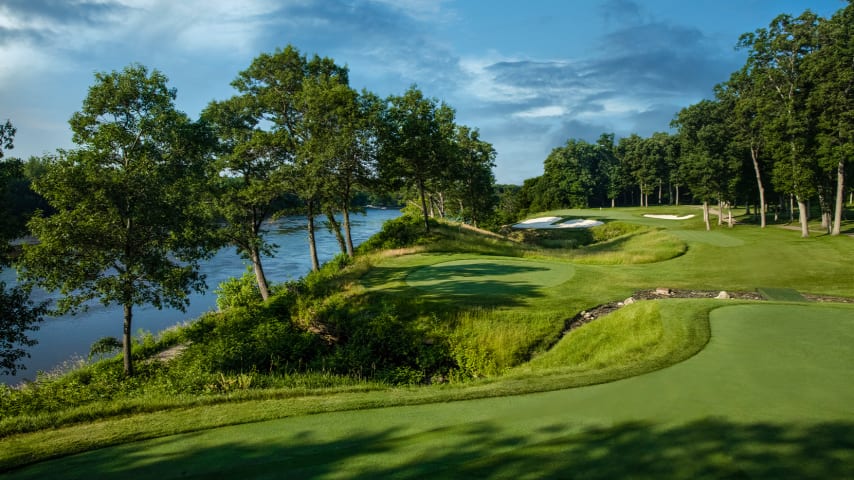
x,y
723,296
664,292
629,301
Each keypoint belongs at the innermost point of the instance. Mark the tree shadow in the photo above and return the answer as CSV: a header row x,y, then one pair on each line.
x,y
710,448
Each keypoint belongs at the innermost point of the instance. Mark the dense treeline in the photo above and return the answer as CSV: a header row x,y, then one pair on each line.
x,y
128,215
778,132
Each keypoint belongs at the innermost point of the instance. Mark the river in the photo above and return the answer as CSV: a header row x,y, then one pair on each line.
x,y
67,338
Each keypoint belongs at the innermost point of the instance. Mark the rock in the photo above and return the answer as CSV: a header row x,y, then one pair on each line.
x,y
628,301
723,296
663,292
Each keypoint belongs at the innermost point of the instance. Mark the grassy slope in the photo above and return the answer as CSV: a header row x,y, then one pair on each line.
x,y
744,258
747,406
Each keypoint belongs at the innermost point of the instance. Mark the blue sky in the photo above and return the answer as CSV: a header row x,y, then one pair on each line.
x,y
529,74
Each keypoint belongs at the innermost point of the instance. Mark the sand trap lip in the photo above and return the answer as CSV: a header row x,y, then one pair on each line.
x,y
549,222
668,217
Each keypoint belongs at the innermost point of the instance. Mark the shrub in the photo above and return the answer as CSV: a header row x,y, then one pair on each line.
x,y
238,292
403,231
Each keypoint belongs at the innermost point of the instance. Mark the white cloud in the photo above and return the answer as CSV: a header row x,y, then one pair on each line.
x,y
483,85
542,112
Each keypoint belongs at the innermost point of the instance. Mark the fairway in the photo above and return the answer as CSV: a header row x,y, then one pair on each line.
x,y
771,396
489,276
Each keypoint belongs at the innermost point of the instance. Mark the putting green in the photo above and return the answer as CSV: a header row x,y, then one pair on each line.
x,y
771,396
489,276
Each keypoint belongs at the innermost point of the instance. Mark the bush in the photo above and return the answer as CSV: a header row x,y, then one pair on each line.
x,y
403,231
238,292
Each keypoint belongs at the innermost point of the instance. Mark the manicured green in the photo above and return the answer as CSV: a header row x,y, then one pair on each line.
x,y
755,403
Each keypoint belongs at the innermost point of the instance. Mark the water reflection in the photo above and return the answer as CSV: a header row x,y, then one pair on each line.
x,y
64,338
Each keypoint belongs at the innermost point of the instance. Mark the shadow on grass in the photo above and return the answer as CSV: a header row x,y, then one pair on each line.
x,y
709,448
475,283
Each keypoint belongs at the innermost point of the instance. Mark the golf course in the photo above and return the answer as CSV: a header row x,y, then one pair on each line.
x,y
755,384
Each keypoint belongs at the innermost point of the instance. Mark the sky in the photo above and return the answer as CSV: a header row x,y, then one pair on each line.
x,y
528,74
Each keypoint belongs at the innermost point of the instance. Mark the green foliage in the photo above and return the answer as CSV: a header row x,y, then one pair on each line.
x,y
238,292
104,346
403,231
18,317
131,226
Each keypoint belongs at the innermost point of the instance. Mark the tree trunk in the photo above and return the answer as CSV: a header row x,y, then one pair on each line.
x,y
613,202
677,194
126,340
804,219
312,244
840,197
825,208
729,215
423,204
706,215
720,212
347,232
659,191
754,155
260,278
336,230
792,209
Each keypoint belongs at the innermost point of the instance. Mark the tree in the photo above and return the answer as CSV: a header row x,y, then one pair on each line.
x,y
831,69
281,87
416,142
778,53
709,169
18,315
471,175
132,222
7,135
247,187
643,168
747,120
355,147
612,174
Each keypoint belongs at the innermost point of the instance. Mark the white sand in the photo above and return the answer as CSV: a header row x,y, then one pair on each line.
x,y
549,222
668,217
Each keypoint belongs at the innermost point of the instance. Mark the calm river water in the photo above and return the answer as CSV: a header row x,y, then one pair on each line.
x,y
63,339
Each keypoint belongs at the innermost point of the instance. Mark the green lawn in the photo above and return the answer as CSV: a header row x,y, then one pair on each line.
x,y
771,396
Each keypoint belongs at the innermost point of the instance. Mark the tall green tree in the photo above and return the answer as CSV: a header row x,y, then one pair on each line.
x,y
831,69
18,315
642,167
612,174
748,118
709,168
247,185
472,177
280,86
7,136
778,53
351,149
416,142
131,224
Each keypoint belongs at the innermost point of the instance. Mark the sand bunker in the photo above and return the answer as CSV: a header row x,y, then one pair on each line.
x,y
549,222
668,217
